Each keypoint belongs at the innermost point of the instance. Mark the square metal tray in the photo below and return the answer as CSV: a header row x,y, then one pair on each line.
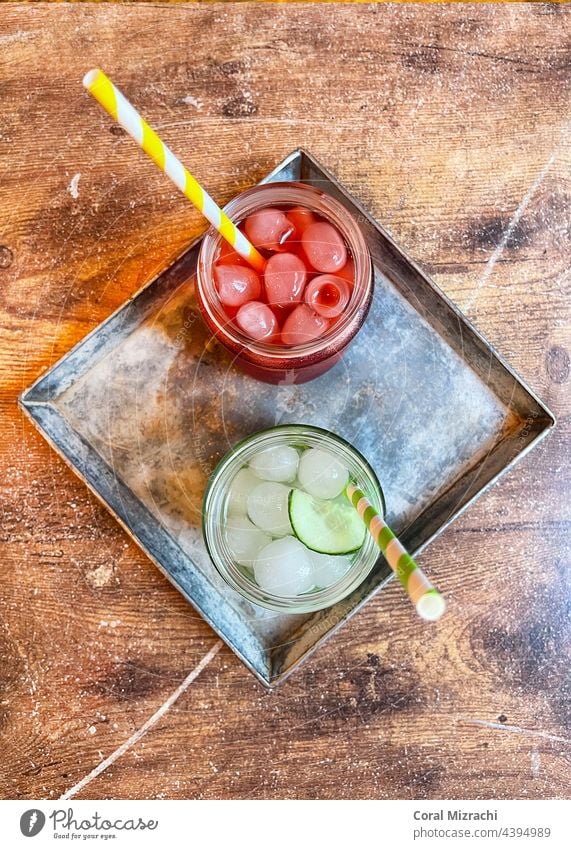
x,y
144,407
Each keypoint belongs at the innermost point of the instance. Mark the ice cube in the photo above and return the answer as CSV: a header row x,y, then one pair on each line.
x,y
324,247
327,295
284,278
244,540
321,474
268,508
268,228
278,463
329,568
236,284
240,487
257,321
284,567
303,325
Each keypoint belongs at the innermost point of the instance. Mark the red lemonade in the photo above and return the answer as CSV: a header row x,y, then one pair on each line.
x,y
298,297
292,320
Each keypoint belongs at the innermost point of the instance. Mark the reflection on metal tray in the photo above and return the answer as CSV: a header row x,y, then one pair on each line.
x,y
145,406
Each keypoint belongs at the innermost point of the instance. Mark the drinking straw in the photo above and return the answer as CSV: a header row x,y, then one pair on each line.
x,y
111,99
426,598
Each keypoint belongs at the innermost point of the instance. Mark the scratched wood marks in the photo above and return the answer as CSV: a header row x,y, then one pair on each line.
x,y
450,123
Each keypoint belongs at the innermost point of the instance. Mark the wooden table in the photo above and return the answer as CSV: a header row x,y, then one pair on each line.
x,y
451,124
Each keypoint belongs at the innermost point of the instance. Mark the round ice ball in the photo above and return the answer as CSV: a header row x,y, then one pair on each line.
x,y
284,567
237,285
268,228
268,508
244,540
321,474
278,463
329,568
324,247
257,321
241,486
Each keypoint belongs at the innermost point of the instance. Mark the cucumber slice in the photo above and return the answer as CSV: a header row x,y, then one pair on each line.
x,y
329,527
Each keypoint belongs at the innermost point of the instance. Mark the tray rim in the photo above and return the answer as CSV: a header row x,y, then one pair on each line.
x,y
27,402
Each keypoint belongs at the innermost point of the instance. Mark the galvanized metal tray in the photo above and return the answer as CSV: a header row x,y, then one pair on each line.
x,y
144,407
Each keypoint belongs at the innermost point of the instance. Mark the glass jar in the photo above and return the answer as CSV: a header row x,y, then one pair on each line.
x,y
278,363
215,514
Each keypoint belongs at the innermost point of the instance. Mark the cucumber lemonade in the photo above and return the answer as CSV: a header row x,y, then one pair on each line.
x,y
278,525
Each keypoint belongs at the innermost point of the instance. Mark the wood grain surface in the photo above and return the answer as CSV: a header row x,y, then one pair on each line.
x,y
452,125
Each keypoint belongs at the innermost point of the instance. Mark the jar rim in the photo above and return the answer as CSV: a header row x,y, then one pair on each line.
x,y
214,503
295,193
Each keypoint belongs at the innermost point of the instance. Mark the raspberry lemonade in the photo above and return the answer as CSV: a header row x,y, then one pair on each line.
x,y
277,525
291,322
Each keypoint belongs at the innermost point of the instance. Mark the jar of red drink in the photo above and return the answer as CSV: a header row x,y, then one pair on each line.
x,y
293,321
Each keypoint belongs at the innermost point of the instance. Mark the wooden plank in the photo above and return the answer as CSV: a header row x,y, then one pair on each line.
x,y
450,123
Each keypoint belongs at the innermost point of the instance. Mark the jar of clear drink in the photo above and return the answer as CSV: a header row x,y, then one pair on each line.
x,y
277,524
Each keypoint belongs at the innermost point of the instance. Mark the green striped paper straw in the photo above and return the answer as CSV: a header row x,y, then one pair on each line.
x,y
426,598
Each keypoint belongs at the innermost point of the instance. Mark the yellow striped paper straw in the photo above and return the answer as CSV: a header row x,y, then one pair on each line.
x,y
111,99
427,600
